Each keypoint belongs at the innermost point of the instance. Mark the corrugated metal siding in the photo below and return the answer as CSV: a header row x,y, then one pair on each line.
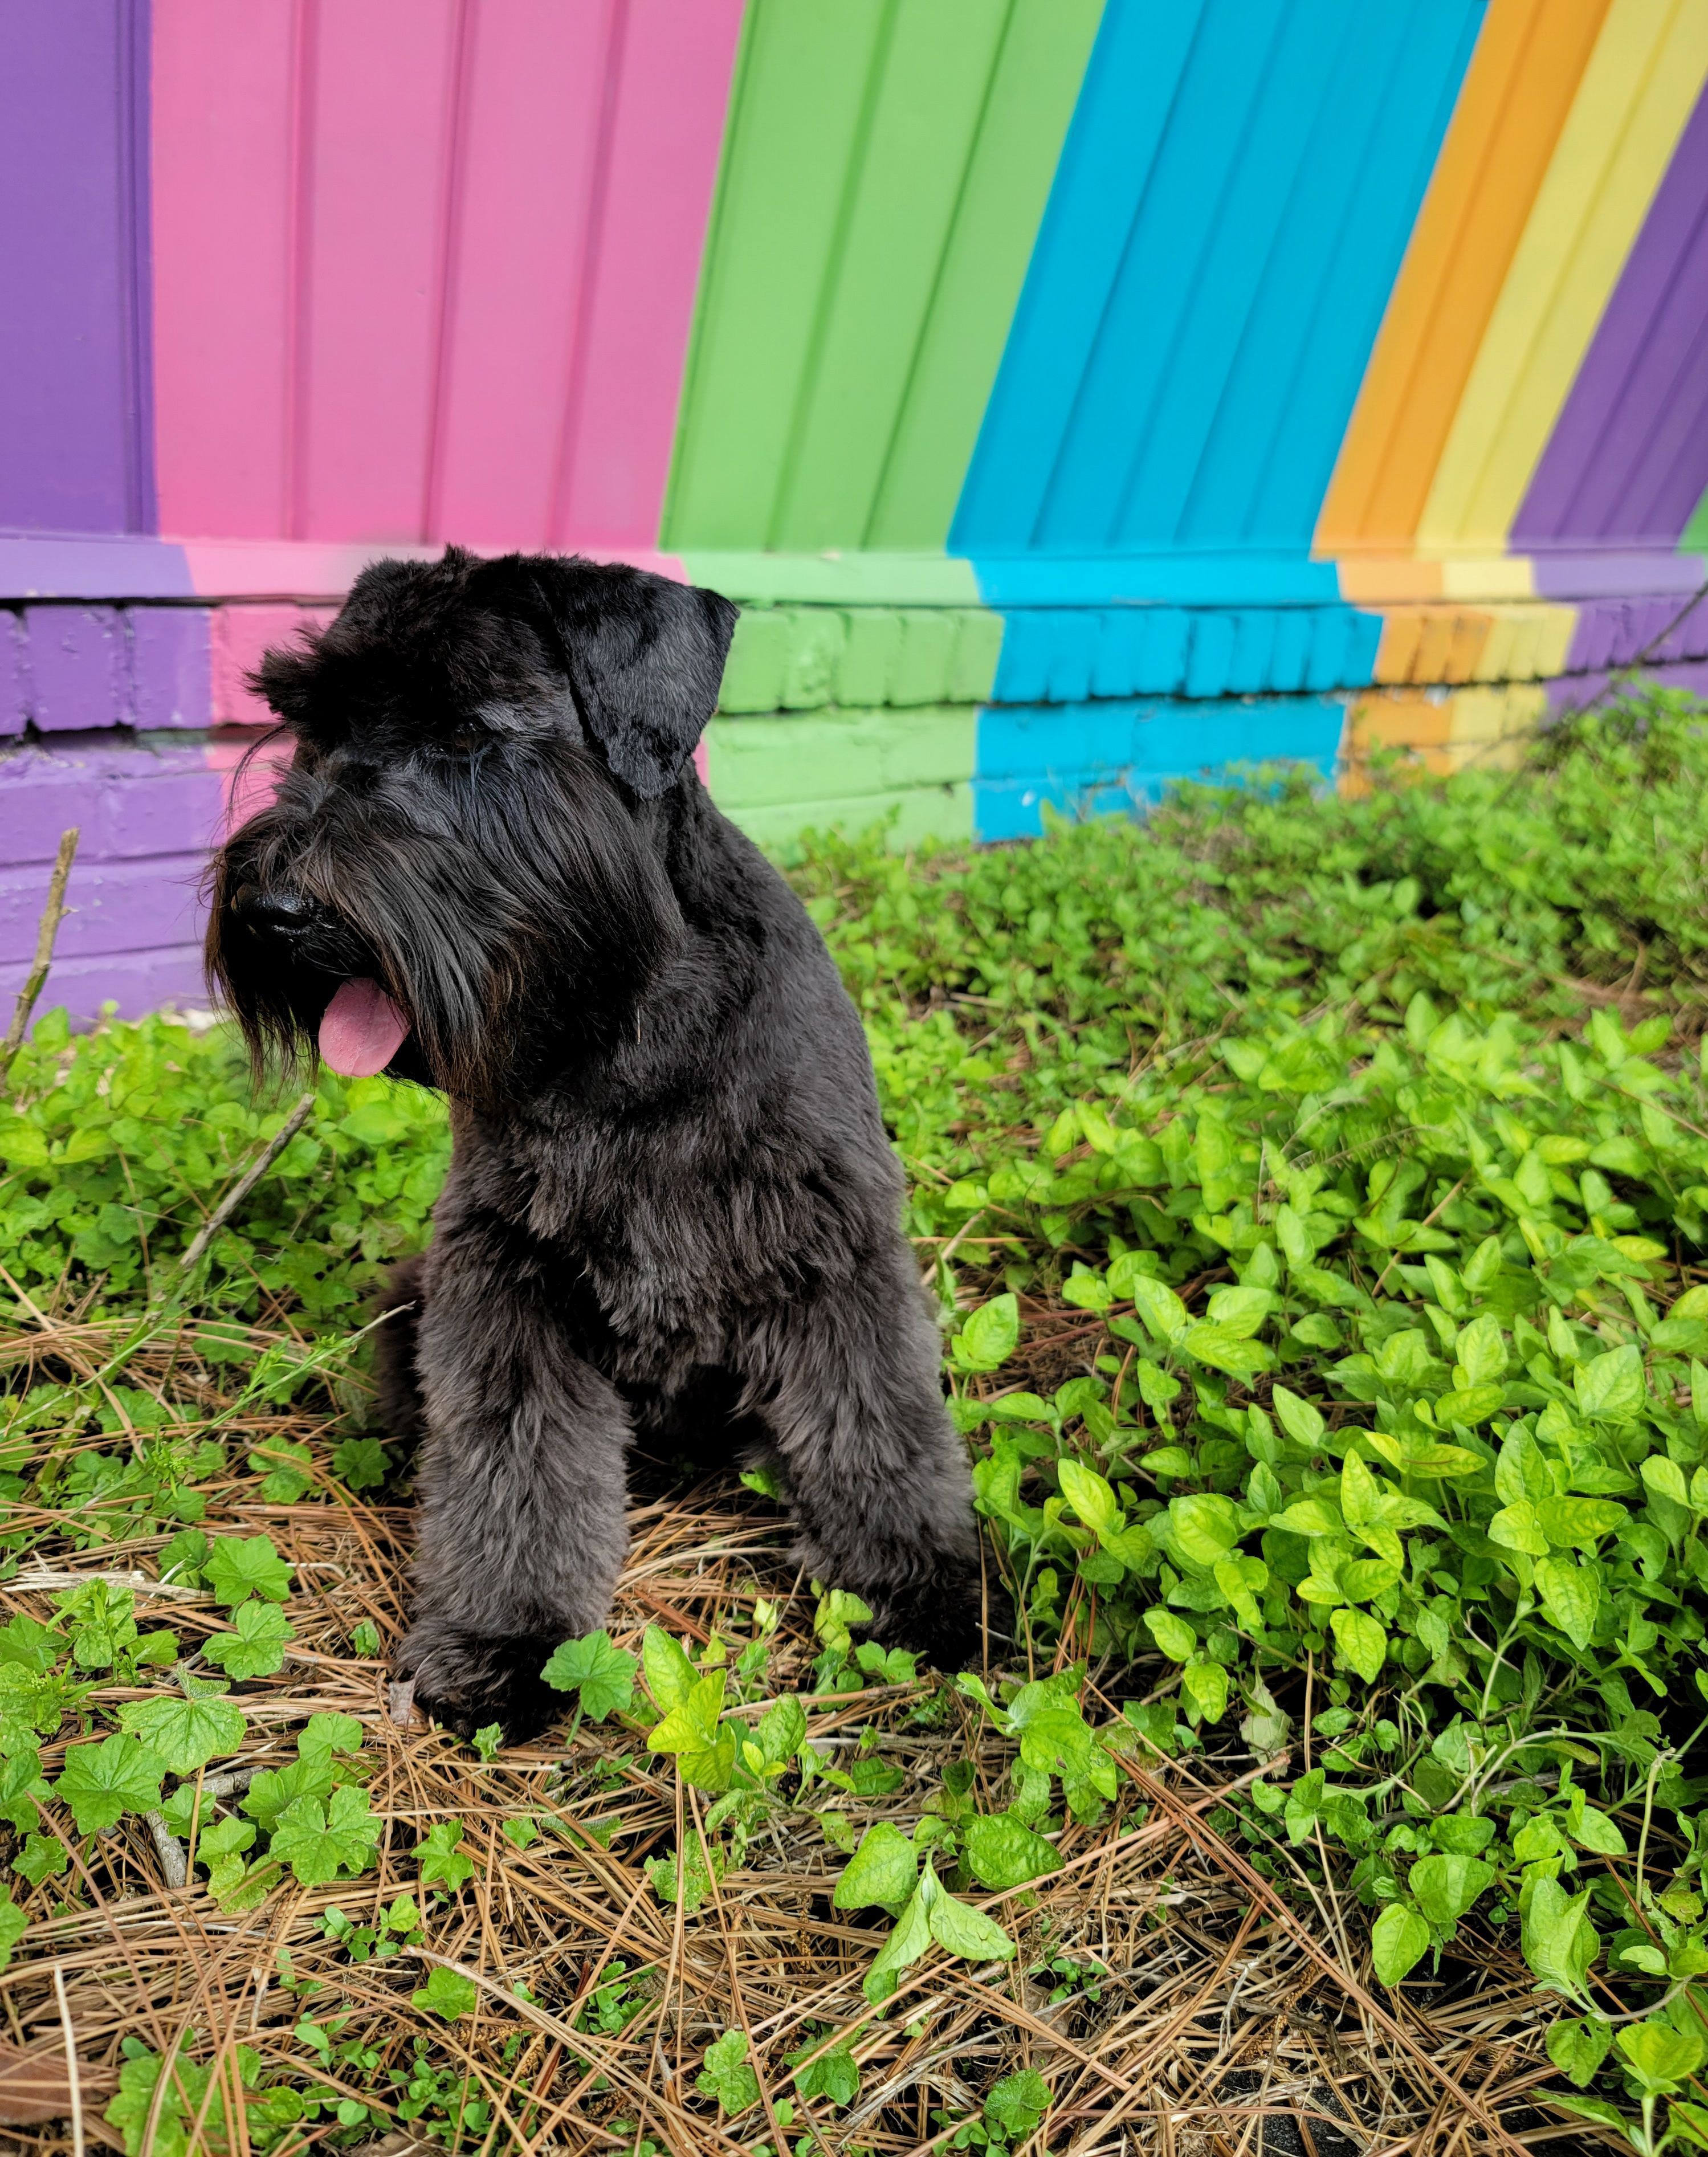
x,y
425,268
1234,198
887,164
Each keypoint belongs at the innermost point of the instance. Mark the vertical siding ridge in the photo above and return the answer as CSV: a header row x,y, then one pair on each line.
x,y
447,255
587,280
1231,176
1589,469
812,360
928,310
688,397
134,52
1378,117
1070,415
299,250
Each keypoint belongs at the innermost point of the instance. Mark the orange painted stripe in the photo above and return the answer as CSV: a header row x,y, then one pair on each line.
x,y
1517,92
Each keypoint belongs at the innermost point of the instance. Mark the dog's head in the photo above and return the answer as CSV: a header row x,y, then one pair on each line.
x,y
462,874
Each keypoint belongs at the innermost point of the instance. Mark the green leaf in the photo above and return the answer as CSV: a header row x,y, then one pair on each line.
x,y
1361,1641
966,1932
360,1462
319,1841
447,1994
903,1947
256,1648
1161,1310
1445,1886
1665,1478
727,2075
991,1335
1660,2057
883,1871
438,1858
1611,1386
1173,1635
1017,2104
833,2076
1519,1526
13,1924
1560,1944
1578,2047
1205,1684
186,1734
1482,1351
238,1567
1089,1496
670,1677
603,1676
276,1789
327,1734
1398,1939
1571,1596
102,1783
1001,1853
1220,1348
1300,1421
1205,1526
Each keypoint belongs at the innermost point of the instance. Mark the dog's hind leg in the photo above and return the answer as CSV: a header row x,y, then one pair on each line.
x,y
521,1489
398,1388
880,1483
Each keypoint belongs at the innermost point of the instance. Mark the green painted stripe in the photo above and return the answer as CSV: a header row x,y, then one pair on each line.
x,y
798,114
832,756
923,816
1032,93
800,659
895,580
885,170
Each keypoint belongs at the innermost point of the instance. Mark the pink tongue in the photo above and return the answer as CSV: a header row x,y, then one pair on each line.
x,y
360,1030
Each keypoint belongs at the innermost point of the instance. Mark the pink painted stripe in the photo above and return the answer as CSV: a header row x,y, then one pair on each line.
x,y
665,134
426,268
222,91
239,568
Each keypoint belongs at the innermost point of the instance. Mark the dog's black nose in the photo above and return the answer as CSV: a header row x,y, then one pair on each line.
x,y
277,912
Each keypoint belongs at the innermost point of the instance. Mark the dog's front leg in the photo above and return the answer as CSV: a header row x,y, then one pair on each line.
x,y
522,1487
880,1483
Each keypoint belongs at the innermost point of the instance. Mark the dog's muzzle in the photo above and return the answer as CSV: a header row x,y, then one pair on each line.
x,y
286,915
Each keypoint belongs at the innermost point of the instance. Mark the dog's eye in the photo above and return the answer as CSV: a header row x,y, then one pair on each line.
x,y
464,739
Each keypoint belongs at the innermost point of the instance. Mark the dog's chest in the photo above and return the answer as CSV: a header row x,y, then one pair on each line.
x,y
660,1254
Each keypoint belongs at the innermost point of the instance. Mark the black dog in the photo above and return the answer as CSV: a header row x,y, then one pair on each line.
x,y
491,868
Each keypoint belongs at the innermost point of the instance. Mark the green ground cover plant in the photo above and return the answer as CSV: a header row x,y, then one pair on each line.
x,y
1315,1192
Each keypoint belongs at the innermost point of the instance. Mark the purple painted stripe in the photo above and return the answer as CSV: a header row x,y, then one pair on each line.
x,y
138,982
50,565
127,803
75,451
1623,462
1572,692
1616,575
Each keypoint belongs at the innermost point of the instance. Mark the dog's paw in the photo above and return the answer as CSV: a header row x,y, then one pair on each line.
x,y
938,1620
470,1681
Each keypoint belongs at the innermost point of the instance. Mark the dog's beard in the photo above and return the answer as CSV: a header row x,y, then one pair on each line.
x,y
473,936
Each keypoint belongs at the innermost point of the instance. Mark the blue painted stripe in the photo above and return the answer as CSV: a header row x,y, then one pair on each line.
x,y
1115,754
1124,108
1065,654
1234,201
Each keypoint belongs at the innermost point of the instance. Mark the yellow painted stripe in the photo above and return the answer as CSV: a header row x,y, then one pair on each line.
x,y
1643,79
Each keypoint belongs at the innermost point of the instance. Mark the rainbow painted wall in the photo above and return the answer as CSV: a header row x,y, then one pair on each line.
x,y
1076,394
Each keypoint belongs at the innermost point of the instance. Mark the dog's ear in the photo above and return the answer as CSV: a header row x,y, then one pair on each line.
x,y
646,658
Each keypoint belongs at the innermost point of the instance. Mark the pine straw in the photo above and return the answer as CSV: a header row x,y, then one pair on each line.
x,y
1226,2021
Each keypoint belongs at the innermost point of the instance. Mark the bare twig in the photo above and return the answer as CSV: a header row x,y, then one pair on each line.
x,y
246,1182
71,2076
52,914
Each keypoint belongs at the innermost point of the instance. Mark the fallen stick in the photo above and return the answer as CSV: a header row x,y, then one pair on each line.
x,y
52,914
246,1183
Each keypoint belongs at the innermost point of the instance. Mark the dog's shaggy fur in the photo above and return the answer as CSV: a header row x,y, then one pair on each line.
x,y
672,1210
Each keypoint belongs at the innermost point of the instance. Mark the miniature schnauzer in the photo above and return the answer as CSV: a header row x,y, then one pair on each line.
x,y
671,1208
